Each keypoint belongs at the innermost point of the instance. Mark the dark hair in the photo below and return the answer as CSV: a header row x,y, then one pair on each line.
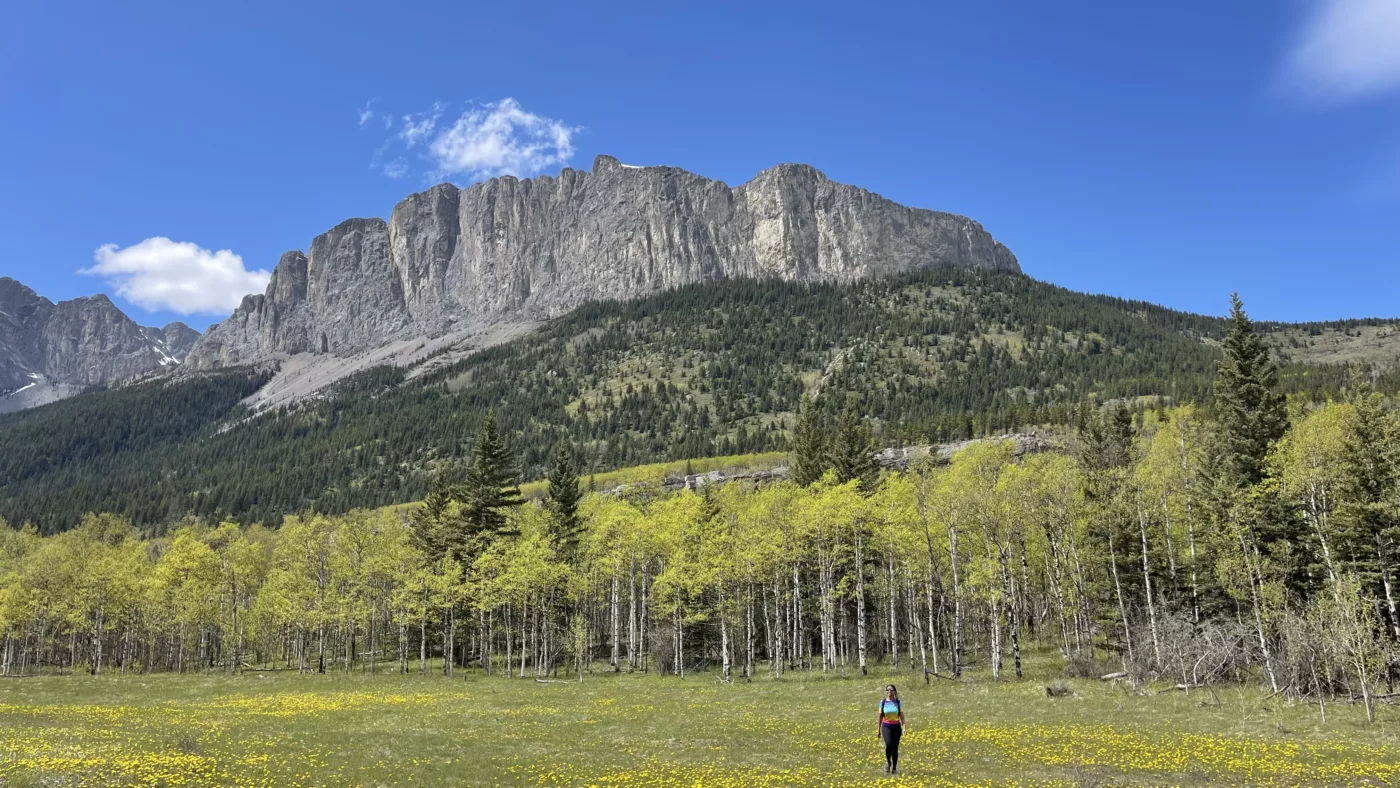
x,y
891,688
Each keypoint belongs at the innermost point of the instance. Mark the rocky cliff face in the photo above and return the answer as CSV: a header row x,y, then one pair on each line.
x,y
66,346
452,258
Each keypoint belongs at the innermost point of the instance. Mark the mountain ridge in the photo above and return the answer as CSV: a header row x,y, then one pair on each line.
x,y
454,259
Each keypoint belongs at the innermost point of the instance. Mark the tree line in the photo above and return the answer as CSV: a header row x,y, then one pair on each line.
x,y
1254,541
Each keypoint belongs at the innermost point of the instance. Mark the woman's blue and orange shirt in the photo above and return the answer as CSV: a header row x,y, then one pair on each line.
x,y
889,712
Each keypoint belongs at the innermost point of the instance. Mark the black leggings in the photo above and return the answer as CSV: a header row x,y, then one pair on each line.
x,y
892,734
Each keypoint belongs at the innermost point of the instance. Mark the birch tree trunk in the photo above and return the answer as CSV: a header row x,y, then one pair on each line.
x,y
616,641
957,601
1386,585
1122,607
632,616
860,606
894,630
1147,588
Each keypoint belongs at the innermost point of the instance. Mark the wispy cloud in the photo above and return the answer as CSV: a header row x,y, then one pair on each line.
x,y
367,112
484,141
419,127
182,277
396,168
1347,50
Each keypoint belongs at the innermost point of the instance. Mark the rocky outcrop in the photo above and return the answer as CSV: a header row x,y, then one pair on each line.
x,y
70,345
511,249
179,339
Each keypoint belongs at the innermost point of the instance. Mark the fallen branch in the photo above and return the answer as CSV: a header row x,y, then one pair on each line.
x,y
1122,674
1184,687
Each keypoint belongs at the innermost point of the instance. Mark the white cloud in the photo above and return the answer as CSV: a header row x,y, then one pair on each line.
x,y
1348,49
501,139
159,273
421,126
367,113
485,141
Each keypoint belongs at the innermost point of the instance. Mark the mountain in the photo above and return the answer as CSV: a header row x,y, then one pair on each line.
x,y
707,369
50,351
456,261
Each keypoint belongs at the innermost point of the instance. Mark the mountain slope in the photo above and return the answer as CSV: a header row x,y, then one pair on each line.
x,y
49,351
703,370
507,250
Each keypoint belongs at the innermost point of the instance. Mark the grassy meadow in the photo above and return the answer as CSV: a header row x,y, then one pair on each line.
x,y
285,729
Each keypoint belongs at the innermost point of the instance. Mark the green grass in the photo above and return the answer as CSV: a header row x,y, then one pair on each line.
x,y
282,728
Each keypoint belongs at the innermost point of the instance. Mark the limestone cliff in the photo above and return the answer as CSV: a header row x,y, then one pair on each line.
x,y
451,258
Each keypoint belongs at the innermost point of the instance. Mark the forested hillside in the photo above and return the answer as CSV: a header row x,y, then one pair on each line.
x,y
699,371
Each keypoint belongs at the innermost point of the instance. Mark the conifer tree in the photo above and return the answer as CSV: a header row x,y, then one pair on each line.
x,y
563,497
853,451
1251,413
430,531
1370,507
810,458
491,486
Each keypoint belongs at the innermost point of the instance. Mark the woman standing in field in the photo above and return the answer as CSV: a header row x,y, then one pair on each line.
x,y
892,726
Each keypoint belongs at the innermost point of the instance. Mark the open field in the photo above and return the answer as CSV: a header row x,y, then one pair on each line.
x,y
286,729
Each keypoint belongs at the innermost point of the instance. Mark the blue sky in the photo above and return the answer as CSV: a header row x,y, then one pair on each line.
x,y
1167,151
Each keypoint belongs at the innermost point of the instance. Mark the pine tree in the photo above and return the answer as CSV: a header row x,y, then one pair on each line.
x,y
1251,414
491,486
1371,504
1104,439
810,458
563,497
853,451
1370,507
430,527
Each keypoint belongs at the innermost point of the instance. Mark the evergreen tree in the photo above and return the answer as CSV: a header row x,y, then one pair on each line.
x,y
563,497
1105,439
853,451
1370,507
430,529
491,486
810,458
1251,413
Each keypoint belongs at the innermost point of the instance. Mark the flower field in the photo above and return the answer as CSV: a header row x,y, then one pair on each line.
x,y
285,729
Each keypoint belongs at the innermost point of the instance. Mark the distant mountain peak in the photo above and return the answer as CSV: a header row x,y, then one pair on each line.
x,y
51,350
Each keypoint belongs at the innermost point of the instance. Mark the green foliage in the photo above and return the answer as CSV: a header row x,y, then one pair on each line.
x,y
852,453
563,498
436,522
90,453
1251,411
810,456
491,488
698,372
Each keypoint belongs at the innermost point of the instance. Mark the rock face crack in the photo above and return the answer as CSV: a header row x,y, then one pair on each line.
x,y
510,250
